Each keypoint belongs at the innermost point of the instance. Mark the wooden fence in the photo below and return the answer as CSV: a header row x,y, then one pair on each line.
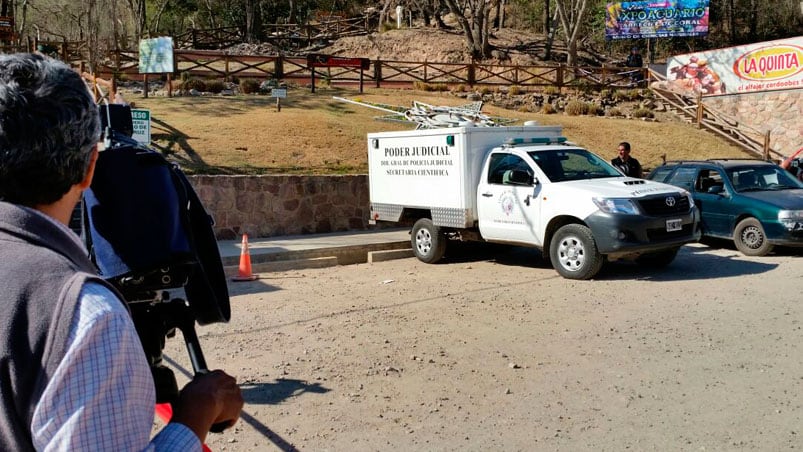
x,y
227,66
388,73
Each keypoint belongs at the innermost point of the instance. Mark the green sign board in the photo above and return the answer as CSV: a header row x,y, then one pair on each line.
x,y
156,56
142,125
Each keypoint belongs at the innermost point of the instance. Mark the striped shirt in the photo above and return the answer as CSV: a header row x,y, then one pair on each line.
x,y
102,396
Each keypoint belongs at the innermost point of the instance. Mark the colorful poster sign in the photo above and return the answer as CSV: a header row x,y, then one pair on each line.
x,y
156,56
763,66
656,19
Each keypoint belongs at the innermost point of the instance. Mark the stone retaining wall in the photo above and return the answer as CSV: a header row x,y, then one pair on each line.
x,y
266,206
779,112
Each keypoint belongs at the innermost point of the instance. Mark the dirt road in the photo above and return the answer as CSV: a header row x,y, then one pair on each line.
x,y
494,351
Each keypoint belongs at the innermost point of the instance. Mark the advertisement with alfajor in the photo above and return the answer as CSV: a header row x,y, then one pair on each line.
x,y
764,66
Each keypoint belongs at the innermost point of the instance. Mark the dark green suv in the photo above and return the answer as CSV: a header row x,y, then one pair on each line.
x,y
755,203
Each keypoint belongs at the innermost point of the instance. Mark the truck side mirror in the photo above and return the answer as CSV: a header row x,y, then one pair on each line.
x,y
520,177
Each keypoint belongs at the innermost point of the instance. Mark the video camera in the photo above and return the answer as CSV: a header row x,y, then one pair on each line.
x,y
148,233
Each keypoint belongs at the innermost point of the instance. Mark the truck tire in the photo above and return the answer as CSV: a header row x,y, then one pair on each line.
x,y
428,241
658,259
750,238
574,253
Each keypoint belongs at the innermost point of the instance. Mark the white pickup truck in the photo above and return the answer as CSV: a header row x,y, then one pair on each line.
x,y
524,185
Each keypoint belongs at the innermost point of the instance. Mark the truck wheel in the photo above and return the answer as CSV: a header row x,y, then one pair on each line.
x,y
750,239
574,253
658,259
428,241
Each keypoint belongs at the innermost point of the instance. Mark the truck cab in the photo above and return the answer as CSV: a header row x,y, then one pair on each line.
x,y
579,209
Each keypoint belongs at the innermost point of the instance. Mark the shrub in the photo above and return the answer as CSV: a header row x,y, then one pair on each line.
x,y
215,86
193,83
643,113
594,109
576,108
551,90
548,109
423,86
628,94
615,112
486,90
249,86
514,90
461,88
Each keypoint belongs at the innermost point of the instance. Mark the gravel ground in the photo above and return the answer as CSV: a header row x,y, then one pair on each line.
x,y
491,350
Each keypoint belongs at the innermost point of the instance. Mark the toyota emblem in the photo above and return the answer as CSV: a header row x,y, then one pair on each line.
x,y
670,201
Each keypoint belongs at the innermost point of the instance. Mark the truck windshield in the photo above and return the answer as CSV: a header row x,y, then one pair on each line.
x,y
572,164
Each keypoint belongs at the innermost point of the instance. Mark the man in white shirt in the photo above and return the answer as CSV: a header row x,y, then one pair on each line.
x,y
73,375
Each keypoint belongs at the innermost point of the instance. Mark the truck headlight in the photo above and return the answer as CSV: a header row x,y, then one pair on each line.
x,y
791,219
689,197
616,205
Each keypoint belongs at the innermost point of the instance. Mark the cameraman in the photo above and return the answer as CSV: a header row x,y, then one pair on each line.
x,y
73,375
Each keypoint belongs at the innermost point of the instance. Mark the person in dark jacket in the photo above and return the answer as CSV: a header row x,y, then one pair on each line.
x,y
634,60
627,164
73,371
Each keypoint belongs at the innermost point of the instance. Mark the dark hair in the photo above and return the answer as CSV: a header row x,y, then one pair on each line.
x,y
48,126
625,145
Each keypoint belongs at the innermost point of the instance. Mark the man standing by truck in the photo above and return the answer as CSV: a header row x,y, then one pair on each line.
x,y
627,164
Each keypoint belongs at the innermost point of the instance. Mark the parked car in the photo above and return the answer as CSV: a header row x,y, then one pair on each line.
x,y
755,203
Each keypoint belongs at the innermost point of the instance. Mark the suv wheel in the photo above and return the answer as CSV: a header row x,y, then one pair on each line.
x,y
574,253
750,239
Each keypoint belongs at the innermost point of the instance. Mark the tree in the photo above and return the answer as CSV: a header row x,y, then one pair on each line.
x,y
474,18
572,17
138,10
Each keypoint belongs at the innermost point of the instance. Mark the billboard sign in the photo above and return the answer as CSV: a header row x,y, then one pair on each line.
x,y
763,66
156,56
656,19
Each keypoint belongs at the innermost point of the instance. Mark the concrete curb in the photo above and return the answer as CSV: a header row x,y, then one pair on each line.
x,y
320,257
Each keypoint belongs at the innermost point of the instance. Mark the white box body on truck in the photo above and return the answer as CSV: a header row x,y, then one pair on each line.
x,y
524,185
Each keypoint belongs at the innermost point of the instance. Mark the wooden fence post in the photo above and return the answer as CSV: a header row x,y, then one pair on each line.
x,y
278,68
378,72
767,146
559,76
472,74
700,110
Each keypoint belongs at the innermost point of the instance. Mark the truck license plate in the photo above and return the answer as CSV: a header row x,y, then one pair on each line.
x,y
674,225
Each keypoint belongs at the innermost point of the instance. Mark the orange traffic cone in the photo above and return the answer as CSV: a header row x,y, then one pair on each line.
x,y
244,273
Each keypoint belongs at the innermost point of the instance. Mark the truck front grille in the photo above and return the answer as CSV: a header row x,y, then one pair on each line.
x,y
665,204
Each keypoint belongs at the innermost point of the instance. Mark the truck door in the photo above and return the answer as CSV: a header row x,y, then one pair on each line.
x,y
507,203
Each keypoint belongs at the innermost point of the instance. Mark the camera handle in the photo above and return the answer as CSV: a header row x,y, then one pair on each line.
x,y
165,317
186,323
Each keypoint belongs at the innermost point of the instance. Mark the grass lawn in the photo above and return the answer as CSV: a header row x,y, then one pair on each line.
x,y
316,134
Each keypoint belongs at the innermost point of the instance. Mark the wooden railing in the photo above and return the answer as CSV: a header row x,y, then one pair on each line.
x,y
746,137
220,64
214,38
